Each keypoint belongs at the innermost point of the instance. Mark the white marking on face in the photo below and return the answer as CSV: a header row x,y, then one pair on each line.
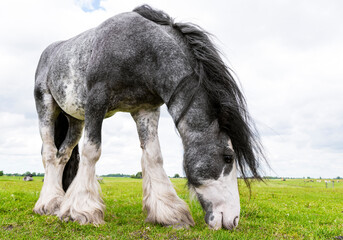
x,y
223,196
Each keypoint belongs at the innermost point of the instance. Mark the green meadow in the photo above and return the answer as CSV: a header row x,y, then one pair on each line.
x,y
292,209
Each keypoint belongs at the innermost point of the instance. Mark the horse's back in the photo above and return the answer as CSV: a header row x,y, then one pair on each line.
x,y
135,58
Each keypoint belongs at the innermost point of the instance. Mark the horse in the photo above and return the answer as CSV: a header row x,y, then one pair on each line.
x,y
135,62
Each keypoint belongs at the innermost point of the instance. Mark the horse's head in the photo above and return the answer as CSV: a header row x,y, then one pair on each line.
x,y
210,167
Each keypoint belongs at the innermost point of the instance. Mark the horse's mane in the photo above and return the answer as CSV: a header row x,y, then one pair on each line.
x,y
225,96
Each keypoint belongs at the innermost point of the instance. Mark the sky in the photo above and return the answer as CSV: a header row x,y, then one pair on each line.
x,y
287,56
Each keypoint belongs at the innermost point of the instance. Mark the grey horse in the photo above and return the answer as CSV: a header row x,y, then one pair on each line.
x,y
135,62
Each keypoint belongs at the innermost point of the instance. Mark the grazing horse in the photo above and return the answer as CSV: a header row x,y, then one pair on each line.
x,y
135,62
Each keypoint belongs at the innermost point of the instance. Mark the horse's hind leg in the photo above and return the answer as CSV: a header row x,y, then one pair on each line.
x,y
160,200
67,141
52,193
82,201
54,161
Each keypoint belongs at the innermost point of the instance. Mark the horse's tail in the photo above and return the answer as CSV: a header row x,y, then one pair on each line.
x,y
225,96
70,170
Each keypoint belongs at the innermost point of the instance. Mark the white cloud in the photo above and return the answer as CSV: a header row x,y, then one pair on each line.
x,y
288,59
20,143
85,4
89,5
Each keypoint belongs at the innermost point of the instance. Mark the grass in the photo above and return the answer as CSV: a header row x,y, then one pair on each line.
x,y
293,209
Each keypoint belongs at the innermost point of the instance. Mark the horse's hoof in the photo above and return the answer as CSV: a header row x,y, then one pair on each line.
x,y
83,211
96,217
176,216
179,226
51,207
39,209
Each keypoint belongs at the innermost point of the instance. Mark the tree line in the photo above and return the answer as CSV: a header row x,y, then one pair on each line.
x,y
34,174
137,175
272,177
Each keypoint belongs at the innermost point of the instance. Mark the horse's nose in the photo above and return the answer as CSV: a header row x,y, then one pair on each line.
x,y
235,221
231,224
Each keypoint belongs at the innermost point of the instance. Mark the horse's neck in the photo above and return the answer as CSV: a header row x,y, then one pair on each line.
x,y
196,120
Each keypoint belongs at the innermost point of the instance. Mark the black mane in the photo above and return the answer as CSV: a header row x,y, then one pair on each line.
x,y
225,96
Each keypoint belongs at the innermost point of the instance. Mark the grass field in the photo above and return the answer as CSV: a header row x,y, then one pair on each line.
x,y
292,209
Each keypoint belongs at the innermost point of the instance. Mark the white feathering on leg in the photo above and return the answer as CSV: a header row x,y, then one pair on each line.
x,y
160,200
83,202
52,193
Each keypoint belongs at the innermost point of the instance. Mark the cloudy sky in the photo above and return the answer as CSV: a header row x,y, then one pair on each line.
x,y
288,57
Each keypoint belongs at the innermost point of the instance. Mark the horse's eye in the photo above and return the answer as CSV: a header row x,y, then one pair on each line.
x,y
228,158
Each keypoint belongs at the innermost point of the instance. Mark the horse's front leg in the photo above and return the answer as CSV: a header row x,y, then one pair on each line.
x,y
160,200
82,201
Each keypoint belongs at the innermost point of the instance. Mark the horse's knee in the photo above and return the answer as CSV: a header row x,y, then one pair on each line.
x,y
63,155
91,152
49,154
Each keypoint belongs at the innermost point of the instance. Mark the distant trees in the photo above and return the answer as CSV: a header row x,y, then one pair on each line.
x,y
138,175
116,175
1,173
25,174
176,175
33,174
271,177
